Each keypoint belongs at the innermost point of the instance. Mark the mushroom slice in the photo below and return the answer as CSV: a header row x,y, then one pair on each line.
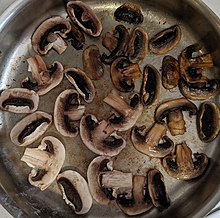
x,y
138,45
124,73
50,35
81,14
67,110
208,121
157,189
149,143
100,137
19,100
30,128
45,78
122,35
128,113
105,184
150,88
130,13
165,40
92,64
75,191
140,202
170,72
109,41
46,161
182,166
81,82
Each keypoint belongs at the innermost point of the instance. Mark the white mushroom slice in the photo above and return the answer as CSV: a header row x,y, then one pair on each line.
x,y
46,161
19,100
75,191
30,128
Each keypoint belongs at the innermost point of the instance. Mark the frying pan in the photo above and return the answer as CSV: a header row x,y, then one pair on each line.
x,y
188,199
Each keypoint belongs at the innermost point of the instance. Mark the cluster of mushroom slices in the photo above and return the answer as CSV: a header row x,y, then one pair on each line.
x,y
134,194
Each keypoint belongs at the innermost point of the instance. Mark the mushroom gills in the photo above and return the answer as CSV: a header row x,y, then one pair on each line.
x,y
18,102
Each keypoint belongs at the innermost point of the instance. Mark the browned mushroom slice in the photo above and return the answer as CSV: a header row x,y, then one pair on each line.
x,y
170,72
19,100
66,111
138,45
46,161
208,121
129,12
81,14
75,191
124,73
50,35
128,113
109,41
81,82
157,189
150,88
150,142
92,64
30,128
165,40
100,137
182,166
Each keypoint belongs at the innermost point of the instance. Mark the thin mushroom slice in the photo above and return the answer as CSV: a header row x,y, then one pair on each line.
x,y
30,128
208,121
46,162
182,166
19,100
75,191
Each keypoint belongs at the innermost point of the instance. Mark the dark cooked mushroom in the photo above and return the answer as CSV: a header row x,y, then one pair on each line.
x,y
50,35
81,14
150,88
182,166
81,82
165,40
129,12
208,121
92,65
124,73
109,41
149,142
128,113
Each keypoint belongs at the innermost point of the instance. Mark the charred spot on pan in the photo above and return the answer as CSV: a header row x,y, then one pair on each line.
x,y
18,102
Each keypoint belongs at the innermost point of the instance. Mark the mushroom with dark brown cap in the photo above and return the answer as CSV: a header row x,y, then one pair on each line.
x,y
149,142
30,128
124,73
45,78
165,40
67,110
208,121
81,82
50,35
81,14
46,160
128,113
75,191
100,137
182,166
19,100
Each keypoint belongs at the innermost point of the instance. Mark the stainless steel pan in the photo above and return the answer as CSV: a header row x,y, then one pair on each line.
x,y
188,199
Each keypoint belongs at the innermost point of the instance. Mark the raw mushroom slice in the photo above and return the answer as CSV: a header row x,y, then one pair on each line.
x,y
81,82
150,143
19,100
67,110
100,137
128,113
50,35
30,128
81,14
45,78
75,191
182,166
46,161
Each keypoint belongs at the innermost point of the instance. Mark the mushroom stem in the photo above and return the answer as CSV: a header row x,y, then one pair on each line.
x,y
202,61
131,72
58,44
